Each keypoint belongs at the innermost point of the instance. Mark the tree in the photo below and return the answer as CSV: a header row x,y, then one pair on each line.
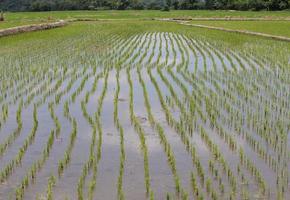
x,y
1,16
45,5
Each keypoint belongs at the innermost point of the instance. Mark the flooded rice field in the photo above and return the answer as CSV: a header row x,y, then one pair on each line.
x,y
157,115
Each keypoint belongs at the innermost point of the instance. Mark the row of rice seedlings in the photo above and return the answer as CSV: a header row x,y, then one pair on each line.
x,y
208,53
197,192
238,59
246,136
14,135
16,161
121,55
138,128
88,165
167,54
114,44
50,185
153,42
166,49
256,146
232,180
118,125
245,94
248,164
214,170
184,60
200,52
247,60
175,125
54,118
171,90
263,131
167,148
159,48
98,125
117,45
28,64
153,49
36,166
182,42
73,78
36,87
127,53
217,53
43,88
191,104
146,48
257,62
213,115
210,190
81,87
25,91
136,54
4,114
63,163
244,193
219,155
53,134
228,57
252,142
173,50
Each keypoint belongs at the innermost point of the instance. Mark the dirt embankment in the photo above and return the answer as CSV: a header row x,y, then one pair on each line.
x,y
30,28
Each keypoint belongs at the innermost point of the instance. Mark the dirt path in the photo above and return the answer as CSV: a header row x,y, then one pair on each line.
x,y
32,27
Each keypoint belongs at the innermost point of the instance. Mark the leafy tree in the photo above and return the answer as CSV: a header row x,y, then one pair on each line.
x,y
46,5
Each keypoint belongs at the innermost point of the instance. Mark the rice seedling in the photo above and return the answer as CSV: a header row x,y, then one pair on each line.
x,y
121,194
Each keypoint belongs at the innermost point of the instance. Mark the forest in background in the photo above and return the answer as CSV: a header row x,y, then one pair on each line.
x,y
166,5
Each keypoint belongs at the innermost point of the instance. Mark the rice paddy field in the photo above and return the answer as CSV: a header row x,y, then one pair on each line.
x,y
143,109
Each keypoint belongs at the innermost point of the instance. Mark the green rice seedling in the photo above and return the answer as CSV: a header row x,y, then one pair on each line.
x,y
135,122
12,137
37,165
16,161
163,140
196,190
51,183
121,195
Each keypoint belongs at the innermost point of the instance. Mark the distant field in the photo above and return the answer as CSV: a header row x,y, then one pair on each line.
x,y
15,19
280,28
144,109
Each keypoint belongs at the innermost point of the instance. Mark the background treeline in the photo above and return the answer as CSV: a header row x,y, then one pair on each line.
x,y
47,5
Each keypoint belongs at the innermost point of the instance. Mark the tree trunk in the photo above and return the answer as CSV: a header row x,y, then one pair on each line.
x,y
1,16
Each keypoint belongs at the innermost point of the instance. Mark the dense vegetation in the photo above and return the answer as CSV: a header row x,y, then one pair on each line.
x,y
47,5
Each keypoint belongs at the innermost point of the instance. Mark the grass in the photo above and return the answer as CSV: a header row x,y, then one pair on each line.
x,y
24,18
273,49
279,28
